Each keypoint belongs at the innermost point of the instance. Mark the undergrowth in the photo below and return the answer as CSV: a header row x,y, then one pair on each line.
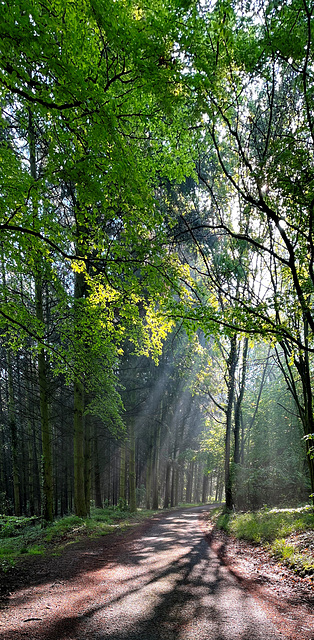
x,y
20,536
281,531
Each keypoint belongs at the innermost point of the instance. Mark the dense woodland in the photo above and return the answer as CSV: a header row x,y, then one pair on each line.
x,y
157,254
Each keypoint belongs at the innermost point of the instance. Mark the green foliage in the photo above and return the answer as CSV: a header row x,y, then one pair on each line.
x,y
88,102
222,521
267,524
300,561
273,469
20,537
11,526
286,533
60,528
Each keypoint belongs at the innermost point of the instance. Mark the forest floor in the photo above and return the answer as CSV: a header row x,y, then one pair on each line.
x,y
47,597
289,598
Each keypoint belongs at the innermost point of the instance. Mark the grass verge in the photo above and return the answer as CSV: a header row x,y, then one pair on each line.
x,y
287,534
29,536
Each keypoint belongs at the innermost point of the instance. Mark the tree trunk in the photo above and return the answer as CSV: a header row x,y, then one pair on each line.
x,y
3,464
132,478
97,487
189,484
122,487
88,462
79,460
30,445
79,426
149,478
232,363
167,485
45,426
155,475
303,400
174,482
205,488
14,438
47,468
238,404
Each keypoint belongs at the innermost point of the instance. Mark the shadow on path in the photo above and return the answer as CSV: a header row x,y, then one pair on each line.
x,y
168,586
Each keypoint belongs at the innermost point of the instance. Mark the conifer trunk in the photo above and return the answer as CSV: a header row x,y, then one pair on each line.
x,y
14,439
97,487
167,485
205,487
79,460
122,492
47,468
148,479
232,362
47,472
132,477
238,404
30,446
88,463
155,493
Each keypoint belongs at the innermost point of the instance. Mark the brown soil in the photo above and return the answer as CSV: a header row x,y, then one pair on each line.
x,y
287,598
75,559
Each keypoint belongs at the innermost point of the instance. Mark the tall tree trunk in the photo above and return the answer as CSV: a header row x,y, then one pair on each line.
x,y
45,425
30,444
238,404
197,484
167,485
155,493
190,478
97,487
122,485
132,478
88,462
12,418
79,460
47,468
174,483
3,464
148,484
232,363
38,470
79,426
205,487
14,438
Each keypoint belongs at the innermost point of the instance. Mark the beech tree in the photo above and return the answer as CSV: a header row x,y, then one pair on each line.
x,y
126,130
251,73
83,87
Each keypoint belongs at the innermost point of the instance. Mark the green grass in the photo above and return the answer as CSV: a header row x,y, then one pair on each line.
x,y
267,524
301,561
278,530
29,536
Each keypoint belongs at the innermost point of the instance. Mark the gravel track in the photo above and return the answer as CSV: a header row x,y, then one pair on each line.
x,y
165,584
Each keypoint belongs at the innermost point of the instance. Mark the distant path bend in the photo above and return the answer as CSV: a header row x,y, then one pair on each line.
x,y
166,585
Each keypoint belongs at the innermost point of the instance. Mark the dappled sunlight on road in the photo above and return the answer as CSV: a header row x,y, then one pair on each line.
x,y
166,585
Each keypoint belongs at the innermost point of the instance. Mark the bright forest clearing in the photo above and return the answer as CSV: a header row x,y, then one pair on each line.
x,y
157,252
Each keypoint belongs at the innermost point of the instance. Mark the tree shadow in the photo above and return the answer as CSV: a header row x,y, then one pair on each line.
x,y
184,597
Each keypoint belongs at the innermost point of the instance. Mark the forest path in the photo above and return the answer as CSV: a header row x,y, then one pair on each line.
x,y
165,584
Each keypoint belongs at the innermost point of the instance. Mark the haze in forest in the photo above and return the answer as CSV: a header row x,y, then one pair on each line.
x,y
157,252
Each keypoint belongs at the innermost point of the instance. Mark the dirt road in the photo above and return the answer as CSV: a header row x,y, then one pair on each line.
x,y
165,585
